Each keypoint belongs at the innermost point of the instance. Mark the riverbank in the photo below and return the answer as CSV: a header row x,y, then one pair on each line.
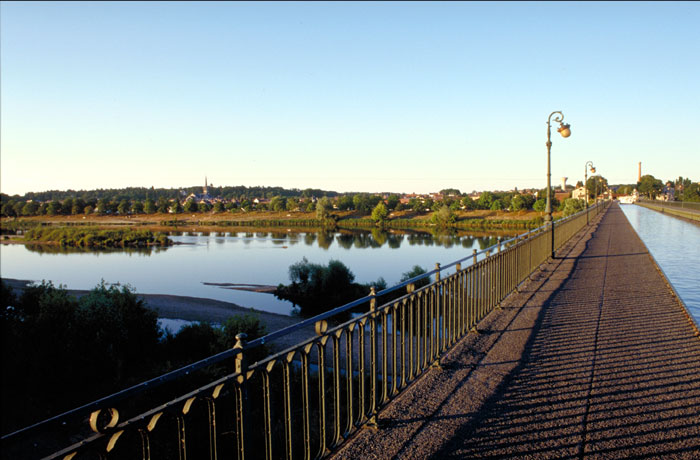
x,y
200,309
270,219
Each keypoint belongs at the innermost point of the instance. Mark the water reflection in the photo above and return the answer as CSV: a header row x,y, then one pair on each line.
x,y
363,239
56,249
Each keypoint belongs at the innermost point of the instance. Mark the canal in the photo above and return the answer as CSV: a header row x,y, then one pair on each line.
x,y
675,244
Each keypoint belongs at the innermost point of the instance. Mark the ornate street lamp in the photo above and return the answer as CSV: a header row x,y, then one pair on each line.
x,y
585,184
565,131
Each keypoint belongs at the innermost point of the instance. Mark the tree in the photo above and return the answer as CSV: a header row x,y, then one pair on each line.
x,y
30,209
380,213
277,203
485,201
361,203
204,207
190,206
218,207
517,203
162,205
468,203
291,204
443,216
78,206
176,207
53,208
123,207
317,288
572,206
691,192
149,207
416,271
345,203
595,181
496,205
392,202
67,206
450,191
323,208
101,206
650,186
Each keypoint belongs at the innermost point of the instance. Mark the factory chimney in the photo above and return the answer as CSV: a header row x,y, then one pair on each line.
x,y
639,172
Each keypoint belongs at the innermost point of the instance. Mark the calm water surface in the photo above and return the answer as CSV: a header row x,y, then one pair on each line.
x,y
239,257
675,244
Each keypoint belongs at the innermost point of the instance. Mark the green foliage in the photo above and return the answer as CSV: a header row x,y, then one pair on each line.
x,y
392,202
80,349
85,348
496,205
416,271
691,192
572,206
176,207
323,208
317,288
518,203
468,203
443,217
380,213
93,237
190,206
650,186
540,205
485,200
596,184
277,203
291,204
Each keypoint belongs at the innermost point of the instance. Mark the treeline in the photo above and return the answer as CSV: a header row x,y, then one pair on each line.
x,y
143,193
362,203
85,348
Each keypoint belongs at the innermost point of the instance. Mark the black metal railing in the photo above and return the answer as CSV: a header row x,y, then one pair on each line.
x,y
304,401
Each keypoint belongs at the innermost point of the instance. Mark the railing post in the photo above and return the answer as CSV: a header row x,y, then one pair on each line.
x,y
242,393
372,422
474,255
437,336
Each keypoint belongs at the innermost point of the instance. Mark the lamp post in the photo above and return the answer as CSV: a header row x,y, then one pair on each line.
x,y
565,131
585,184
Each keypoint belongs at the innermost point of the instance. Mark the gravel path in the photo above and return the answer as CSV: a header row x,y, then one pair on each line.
x,y
594,358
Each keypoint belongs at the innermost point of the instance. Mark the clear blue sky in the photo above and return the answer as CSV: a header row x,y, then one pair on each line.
x,y
404,97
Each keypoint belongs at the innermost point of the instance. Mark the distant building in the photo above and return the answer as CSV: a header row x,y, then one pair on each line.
x,y
203,197
579,193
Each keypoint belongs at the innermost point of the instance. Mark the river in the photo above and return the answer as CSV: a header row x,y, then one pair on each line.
x,y
675,244
241,257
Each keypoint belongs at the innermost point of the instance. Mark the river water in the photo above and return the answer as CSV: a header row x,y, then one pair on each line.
x,y
240,257
675,244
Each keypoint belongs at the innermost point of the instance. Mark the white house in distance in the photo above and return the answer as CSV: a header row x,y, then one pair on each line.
x,y
579,193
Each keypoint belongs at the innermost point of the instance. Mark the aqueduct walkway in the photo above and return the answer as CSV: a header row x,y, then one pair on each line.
x,y
594,358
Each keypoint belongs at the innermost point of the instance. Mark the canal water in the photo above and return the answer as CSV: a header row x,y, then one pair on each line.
x,y
675,244
243,258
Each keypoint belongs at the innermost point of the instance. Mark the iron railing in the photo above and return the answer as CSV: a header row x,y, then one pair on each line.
x,y
306,400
